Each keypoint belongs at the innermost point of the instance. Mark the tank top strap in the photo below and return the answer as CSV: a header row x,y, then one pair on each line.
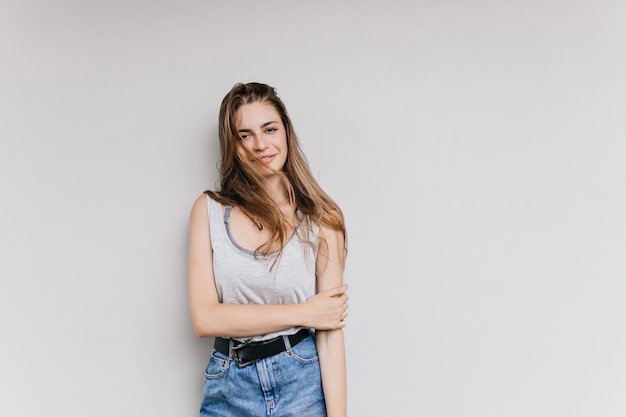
x,y
227,209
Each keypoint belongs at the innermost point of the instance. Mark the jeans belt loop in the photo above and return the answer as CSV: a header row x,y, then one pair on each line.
x,y
287,343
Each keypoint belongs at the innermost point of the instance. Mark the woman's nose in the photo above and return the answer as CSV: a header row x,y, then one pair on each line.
x,y
259,143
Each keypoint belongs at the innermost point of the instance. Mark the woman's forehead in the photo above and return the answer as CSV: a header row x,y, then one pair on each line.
x,y
254,115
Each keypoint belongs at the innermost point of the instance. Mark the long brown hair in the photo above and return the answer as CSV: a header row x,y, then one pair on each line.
x,y
240,185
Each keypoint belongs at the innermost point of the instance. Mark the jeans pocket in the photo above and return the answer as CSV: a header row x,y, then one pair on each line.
x,y
304,352
217,367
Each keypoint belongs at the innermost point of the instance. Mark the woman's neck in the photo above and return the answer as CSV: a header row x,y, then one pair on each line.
x,y
277,191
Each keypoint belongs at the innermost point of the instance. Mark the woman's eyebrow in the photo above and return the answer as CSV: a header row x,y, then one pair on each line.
x,y
262,126
269,123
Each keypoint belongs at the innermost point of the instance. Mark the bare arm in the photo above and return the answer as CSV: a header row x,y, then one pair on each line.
x,y
330,343
212,318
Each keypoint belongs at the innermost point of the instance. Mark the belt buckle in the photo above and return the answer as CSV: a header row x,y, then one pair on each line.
x,y
238,361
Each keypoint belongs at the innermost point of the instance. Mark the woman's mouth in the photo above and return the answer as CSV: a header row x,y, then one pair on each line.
x,y
266,158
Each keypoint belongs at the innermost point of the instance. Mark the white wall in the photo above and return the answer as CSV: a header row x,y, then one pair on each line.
x,y
477,149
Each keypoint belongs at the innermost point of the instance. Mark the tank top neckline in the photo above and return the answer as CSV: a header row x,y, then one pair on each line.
x,y
226,219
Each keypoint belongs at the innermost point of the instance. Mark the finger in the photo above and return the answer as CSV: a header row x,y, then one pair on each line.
x,y
342,298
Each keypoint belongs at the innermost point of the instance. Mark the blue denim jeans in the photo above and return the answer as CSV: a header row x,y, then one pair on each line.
x,y
288,384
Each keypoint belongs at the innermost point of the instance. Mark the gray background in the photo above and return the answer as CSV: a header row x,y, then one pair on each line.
x,y
477,148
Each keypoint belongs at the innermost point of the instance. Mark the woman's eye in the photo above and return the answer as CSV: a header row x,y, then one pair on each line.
x,y
244,136
271,129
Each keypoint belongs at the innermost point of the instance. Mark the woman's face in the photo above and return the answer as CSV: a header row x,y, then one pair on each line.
x,y
262,133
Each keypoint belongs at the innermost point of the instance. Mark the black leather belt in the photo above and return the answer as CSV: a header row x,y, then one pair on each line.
x,y
248,352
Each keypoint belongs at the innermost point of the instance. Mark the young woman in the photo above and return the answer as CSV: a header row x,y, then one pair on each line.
x,y
266,261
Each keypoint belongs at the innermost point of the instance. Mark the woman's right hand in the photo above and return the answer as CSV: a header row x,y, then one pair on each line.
x,y
328,309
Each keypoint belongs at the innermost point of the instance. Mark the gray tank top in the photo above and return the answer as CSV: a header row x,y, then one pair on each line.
x,y
242,278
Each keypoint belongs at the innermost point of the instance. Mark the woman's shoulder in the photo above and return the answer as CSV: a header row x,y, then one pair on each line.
x,y
199,205
205,207
203,202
